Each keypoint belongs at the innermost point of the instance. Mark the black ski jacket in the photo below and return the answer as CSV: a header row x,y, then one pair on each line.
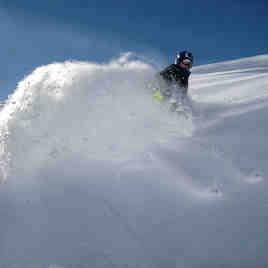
x,y
174,73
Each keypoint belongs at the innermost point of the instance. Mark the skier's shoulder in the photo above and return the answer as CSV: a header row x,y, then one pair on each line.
x,y
171,67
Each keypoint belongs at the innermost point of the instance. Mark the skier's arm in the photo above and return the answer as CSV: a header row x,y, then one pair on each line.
x,y
168,72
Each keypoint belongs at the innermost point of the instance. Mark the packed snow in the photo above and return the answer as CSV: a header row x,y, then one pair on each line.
x,y
95,172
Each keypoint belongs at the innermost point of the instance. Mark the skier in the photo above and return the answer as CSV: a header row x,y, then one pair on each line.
x,y
173,83
178,73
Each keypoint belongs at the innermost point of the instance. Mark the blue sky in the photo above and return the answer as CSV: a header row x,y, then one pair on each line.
x,y
35,33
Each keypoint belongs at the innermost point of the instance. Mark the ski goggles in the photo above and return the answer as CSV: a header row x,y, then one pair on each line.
x,y
188,63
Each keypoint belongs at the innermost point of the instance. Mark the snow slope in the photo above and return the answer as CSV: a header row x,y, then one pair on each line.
x,y
96,173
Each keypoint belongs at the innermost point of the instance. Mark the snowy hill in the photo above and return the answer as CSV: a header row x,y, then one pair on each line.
x,y
96,173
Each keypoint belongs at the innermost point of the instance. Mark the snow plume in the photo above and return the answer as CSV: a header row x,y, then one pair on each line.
x,y
100,174
99,111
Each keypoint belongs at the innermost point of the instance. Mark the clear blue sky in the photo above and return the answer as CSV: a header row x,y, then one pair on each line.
x,y
40,32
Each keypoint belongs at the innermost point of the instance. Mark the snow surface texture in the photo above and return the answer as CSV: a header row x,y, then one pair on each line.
x,y
97,173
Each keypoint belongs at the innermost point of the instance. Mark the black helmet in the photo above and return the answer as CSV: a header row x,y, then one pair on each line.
x,y
184,56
